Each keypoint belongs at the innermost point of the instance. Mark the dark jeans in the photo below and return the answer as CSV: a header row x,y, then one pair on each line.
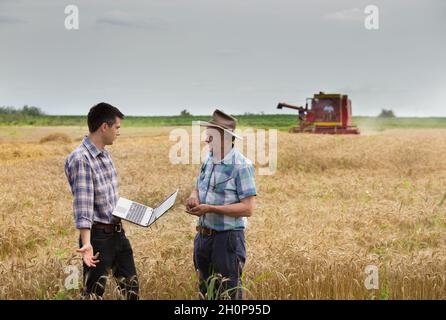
x,y
116,254
223,253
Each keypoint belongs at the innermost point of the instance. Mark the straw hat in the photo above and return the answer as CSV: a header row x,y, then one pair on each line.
x,y
223,121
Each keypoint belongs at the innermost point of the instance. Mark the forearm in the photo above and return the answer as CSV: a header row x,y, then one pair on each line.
x,y
235,210
194,194
85,236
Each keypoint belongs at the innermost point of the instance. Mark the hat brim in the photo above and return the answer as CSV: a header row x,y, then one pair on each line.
x,y
208,124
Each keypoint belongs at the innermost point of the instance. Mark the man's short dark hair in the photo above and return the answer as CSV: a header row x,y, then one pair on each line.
x,y
100,113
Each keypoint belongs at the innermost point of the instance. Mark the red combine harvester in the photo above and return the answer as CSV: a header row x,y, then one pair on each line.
x,y
329,113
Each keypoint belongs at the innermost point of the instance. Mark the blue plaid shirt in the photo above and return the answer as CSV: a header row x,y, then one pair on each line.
x,y
225,182
94,185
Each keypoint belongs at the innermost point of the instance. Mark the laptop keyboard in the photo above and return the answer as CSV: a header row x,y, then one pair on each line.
x,y
136,212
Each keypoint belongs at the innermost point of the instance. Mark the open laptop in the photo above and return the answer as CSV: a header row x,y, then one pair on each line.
x,y
140,214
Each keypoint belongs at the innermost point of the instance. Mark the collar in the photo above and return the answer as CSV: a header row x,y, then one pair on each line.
x,y
94,151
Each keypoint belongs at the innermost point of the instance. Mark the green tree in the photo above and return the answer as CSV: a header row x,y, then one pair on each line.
x,y
32,111
386,114
26,111
185,113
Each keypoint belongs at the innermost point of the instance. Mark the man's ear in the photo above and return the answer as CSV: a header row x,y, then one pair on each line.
x,y
104,126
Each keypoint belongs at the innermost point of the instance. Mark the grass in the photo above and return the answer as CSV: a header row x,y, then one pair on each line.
x,y
380,124
279,121
335,205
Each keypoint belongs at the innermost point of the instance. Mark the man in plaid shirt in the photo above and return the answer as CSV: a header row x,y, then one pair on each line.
x,y
222,199
93,181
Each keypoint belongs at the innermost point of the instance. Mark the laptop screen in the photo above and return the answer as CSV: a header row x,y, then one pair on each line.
x,y
163,207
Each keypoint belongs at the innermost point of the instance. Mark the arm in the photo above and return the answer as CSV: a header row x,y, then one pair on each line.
x,y
87,249
244,208
246,191
193,200
85,236
83,193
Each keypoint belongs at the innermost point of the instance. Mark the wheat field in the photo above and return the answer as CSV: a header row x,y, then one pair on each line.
x,y
335,205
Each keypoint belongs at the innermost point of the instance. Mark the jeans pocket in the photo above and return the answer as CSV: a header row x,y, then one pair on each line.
x,y
100,238
232,242
236,242
197,241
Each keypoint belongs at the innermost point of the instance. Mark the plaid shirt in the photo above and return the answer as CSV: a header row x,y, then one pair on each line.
x,y
93,181
225,182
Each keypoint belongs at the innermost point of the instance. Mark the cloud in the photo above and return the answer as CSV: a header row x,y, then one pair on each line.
x,y
10,20
353,14
125,19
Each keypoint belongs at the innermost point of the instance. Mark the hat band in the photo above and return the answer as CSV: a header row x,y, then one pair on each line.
x,y
221,125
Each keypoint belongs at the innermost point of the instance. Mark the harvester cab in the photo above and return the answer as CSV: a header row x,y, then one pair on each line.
x,y
328,113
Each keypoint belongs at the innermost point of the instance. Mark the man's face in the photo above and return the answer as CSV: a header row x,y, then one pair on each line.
x,y
112,132
214,138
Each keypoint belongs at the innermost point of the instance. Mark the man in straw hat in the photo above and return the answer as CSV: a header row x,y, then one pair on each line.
x,y
222,199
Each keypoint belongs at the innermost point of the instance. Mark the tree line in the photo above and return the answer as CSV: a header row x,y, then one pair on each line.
x,y
25,110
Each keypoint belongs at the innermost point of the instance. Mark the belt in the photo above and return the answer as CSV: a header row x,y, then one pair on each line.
x,y
206,231
108,227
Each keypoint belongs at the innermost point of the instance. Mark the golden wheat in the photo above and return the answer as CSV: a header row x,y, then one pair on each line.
x,y
335,205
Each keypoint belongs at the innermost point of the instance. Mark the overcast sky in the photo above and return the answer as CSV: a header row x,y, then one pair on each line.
x,y
159,57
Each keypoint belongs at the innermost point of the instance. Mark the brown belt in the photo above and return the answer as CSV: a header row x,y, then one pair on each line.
x,y
108,227
206,231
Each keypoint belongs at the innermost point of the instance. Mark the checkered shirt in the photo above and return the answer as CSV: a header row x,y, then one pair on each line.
x,y
94,185
225,182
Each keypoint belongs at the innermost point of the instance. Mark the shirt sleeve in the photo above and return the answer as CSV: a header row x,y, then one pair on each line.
x,y
245,182
83,194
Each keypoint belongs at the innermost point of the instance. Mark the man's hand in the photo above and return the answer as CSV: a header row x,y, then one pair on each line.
x,y
244,208
192,201
87,255
199,210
